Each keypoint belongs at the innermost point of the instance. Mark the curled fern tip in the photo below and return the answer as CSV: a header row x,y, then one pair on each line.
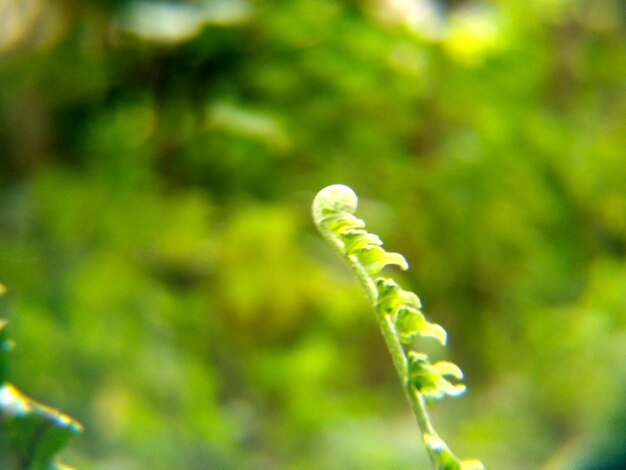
x,y
337,198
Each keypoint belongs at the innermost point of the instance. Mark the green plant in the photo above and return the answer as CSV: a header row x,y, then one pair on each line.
x,y
31,434
398,313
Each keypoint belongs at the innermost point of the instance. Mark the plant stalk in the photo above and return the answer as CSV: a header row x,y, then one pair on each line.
x,y
398,355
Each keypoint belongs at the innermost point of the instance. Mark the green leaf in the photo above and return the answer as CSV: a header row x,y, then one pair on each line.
x,y
391,297
411,322
375,258
472,464
429,379
340,223
404,308
31,434
355,240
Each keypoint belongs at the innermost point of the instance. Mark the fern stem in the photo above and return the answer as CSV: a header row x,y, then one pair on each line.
x,y
398,355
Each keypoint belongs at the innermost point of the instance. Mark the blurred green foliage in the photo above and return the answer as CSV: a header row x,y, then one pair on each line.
x,y
166,285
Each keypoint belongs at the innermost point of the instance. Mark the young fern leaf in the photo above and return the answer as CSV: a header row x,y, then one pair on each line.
x,y
398,313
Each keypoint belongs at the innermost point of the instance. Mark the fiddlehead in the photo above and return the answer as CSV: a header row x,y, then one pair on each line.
x,y
398,313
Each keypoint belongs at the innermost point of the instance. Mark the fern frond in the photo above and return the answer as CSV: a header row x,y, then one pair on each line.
x,y
398,312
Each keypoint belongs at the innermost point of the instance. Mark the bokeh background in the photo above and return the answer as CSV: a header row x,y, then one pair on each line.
x,y
167,287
